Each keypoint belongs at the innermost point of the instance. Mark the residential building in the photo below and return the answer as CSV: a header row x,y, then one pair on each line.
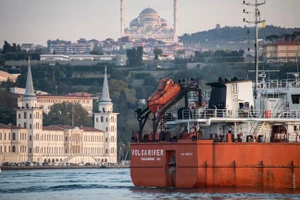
x,y
283,51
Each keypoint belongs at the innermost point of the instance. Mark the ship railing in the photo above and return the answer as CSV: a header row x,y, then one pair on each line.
x,y
291,114
285,83
201,113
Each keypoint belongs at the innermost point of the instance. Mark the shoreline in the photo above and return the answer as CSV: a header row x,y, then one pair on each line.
x,y
3,168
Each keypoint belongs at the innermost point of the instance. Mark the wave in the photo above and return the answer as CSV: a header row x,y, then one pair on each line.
x,y
67,187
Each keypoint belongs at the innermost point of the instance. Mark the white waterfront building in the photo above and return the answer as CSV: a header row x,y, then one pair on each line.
x,y
31,141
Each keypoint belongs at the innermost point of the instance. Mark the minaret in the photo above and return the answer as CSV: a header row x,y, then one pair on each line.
x,y
30,116
175,38
122,17
29,100
106,120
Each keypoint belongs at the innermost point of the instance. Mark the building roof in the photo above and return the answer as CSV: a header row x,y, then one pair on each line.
x,y
90,129
105,99
149,19
149,10
4,76
10,126
60,127
29,91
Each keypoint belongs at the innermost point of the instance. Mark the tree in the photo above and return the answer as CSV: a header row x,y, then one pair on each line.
x,y
6,47
68,114
8,105
139,55
181,52
157,52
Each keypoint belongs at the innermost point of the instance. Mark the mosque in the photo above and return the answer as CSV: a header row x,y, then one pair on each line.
x,y
149,24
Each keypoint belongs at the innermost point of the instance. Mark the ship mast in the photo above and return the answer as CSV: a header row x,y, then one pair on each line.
x,y
255,22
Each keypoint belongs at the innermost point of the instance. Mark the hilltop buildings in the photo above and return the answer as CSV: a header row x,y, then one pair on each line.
x,y
283,51
31,141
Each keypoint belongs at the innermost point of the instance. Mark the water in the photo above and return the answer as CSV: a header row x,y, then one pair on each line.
x,y
110,184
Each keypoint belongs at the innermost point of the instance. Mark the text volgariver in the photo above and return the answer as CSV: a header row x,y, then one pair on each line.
x,y
147,152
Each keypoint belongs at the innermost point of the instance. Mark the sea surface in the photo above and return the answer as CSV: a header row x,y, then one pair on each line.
x,y
110,184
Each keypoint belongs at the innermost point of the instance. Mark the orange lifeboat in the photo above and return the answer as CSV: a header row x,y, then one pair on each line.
x,y
166,90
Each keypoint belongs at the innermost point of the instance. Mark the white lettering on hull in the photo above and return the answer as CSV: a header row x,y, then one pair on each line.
x,y
148,152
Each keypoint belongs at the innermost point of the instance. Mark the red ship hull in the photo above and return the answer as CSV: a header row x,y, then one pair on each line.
x,y
203,163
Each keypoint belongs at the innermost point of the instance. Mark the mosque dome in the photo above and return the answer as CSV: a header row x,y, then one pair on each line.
x,y
149,19
134,22
149,11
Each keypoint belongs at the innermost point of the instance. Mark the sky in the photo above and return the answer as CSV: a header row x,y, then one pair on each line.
x,y
36,21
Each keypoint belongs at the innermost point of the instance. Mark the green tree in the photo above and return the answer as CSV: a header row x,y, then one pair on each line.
x,y
8,105
157,52
68,114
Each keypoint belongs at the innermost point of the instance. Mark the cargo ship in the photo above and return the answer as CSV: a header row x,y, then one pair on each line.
x,y
226,139
240,134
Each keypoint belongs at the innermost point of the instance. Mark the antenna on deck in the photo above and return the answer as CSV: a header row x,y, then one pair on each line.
x,y
255,22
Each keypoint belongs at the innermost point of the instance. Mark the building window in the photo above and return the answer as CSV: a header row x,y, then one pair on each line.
x,y
13,149
30,138
103,109
106,129
25,125
0,136
30,126
101,118
25,115
29,150
106,119
106,139
66,139
14,136
30,116
295,98
19,115
96,119
106,151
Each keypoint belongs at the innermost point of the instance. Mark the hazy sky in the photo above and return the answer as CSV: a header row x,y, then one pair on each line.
x,y
36,21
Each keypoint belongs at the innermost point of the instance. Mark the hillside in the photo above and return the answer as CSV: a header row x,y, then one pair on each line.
x,y
234,34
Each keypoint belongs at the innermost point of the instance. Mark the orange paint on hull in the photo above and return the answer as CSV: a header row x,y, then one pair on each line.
x,y
204,163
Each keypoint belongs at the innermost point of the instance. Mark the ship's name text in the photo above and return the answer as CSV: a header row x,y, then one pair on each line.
x,y
149,152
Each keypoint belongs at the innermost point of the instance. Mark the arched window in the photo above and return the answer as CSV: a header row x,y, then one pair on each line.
x,y
13,149
14,136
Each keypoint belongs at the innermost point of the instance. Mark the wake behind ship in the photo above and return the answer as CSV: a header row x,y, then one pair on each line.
x,y
229,137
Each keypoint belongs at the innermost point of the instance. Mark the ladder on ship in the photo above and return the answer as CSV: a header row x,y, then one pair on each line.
x,y
235,99
256,128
